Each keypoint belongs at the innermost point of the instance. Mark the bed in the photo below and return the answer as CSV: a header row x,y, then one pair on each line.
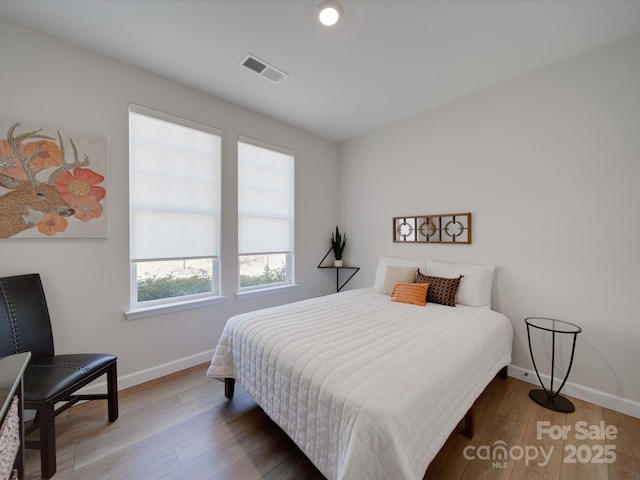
x,y
368,387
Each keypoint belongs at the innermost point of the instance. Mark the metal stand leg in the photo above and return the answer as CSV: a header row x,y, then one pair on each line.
x,y
548,398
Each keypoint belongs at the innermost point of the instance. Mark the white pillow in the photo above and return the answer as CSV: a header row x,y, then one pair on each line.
x,y
475,286
384,262
396,274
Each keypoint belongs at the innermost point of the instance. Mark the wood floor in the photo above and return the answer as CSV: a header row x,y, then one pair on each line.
x,y
182,427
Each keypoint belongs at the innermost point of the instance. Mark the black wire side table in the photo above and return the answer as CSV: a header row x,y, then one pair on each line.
x,y
547,397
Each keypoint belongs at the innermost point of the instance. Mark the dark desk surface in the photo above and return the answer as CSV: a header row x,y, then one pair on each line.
x,y
11,370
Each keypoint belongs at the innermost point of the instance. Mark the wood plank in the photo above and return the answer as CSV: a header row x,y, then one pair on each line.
x,y
625,467
628,439
515,404
204,441
547,448
295,467
225,454
575,465
152,468
262,460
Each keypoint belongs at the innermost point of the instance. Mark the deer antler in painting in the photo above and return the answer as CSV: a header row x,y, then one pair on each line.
x,y
15,143
68,166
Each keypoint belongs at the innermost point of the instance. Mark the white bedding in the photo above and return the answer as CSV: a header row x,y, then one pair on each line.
x,y
366,387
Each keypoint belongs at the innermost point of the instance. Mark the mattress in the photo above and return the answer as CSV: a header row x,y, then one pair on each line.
x,y
366,387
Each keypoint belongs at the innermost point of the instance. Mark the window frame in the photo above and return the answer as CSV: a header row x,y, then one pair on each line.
x,y
169,304
289,283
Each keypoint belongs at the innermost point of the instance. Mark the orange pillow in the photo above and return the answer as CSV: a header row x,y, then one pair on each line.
x,y
413,293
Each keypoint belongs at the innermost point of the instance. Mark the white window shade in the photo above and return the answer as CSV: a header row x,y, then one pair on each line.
x,y
175,198
265,200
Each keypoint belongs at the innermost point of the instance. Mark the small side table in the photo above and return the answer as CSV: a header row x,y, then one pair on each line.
x,y
547,397
11,415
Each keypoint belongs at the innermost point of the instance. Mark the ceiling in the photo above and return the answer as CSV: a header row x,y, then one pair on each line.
x,y
385,61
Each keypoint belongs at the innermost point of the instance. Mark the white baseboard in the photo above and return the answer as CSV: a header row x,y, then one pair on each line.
x,y
136,378
612,402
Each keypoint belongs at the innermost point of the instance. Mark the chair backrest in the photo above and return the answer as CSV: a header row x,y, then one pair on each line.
x,y
25,325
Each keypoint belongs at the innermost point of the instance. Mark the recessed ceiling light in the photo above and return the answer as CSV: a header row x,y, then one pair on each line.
x,y
329,13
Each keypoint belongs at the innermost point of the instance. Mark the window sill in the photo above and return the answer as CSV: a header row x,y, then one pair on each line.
x,y
163,308
262,292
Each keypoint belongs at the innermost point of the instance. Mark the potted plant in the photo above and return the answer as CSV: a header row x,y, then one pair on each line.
x,y
338,241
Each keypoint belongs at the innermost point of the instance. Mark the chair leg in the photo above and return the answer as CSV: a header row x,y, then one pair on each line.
x,y
47,440
112,393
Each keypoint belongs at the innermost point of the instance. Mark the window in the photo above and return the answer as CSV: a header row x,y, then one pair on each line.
x,y
174,208
265,215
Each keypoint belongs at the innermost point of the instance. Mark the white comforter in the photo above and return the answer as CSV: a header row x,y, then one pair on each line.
x,y
366,387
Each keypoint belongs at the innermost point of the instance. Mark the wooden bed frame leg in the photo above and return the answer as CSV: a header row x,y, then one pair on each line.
x,y
469,424
503,373
229,386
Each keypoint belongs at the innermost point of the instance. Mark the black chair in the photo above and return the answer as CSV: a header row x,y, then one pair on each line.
x,y
49,379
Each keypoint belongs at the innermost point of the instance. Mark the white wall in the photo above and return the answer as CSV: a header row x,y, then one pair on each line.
x,y
46,80
549,166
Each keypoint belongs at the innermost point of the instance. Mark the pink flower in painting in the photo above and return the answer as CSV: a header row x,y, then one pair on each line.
x,y
52,224
86,208
82,182
49,155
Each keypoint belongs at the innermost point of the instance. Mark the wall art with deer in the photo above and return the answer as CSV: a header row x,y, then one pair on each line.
x,y
52,182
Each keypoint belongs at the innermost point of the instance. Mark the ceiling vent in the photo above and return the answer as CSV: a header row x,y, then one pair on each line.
x,y
263,69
